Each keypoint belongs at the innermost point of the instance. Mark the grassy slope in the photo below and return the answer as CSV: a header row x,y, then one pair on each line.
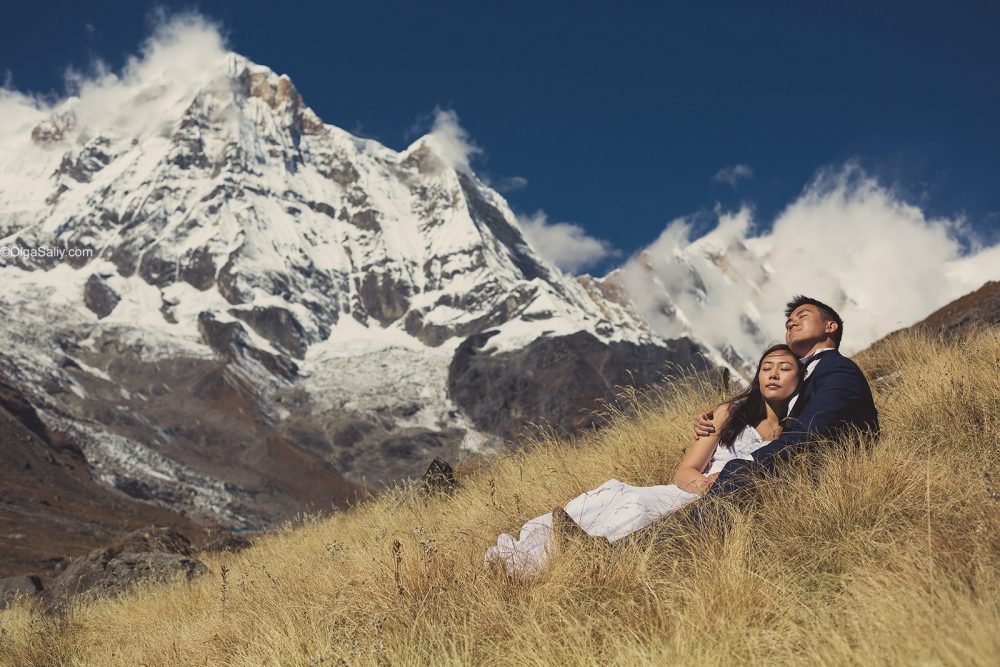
x,y
890,556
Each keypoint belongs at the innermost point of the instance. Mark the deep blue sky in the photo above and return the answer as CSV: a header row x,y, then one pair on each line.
x,y
617,114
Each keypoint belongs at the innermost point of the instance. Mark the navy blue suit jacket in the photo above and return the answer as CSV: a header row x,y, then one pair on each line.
x,y
834,398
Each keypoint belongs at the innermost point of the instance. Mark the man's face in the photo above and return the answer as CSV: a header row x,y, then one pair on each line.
x,y
805,327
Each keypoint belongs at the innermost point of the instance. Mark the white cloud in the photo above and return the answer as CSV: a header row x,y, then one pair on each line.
x,y
847,241
18,113
450,142
733,174
182,53
510,184
565,244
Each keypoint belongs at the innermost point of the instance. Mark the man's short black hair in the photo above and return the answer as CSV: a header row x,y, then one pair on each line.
x,y
828,313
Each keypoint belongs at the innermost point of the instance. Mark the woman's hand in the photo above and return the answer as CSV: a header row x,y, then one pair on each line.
x,y
690,473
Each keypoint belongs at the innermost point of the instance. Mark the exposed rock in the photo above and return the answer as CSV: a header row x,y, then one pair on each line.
x,y
410,446
278,325
54,128
436,334
366,219
167,310
513,241
384,456
229,282
14,402
152,554
106,572
188,145
322,207
125,258
339,172
157,538
423,159
89,161
352,431
99,297
439,478
158,268
231,341
233,467
557,380
14,587
383,297
198,269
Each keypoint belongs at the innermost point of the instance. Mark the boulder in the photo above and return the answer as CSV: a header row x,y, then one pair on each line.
x,y
154,554
156,538
99,297
439,478
14,587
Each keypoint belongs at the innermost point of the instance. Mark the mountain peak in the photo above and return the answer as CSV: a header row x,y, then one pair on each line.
x,y
230,249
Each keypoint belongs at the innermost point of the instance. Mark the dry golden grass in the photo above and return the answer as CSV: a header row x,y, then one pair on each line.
x,y
888,555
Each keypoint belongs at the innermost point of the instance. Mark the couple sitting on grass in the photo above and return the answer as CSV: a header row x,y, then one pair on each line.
x,y
802,392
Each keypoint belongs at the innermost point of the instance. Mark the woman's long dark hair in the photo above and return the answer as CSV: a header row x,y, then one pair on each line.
x,y
748,408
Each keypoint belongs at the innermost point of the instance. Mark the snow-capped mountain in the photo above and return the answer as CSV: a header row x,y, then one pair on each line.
x,y
232,305
847,240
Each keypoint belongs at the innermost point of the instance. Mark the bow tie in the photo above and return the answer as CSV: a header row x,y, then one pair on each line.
x,y
809,358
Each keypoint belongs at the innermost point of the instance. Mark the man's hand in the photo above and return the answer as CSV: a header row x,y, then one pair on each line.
x,y
710,480
703,425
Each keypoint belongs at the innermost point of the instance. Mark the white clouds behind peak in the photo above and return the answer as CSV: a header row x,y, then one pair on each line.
x,y
565,244
183,52
847,240
451,142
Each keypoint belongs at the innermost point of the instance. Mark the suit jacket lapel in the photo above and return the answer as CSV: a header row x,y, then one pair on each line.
x,y
805,393
808,388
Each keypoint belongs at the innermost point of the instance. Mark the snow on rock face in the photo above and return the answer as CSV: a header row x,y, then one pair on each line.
x,y
249,194
273,269
879,262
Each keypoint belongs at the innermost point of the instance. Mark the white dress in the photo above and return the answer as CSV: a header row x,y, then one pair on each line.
x,y
612,510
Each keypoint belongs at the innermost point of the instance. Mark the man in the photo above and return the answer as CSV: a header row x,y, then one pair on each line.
x,y
834,396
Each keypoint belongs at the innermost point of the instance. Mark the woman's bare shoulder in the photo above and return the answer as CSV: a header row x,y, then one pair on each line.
x,y
721,414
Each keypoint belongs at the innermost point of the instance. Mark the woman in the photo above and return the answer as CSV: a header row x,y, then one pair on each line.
x,y
615,509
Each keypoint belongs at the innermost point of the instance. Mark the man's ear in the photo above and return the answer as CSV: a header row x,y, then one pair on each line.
x,y
831,326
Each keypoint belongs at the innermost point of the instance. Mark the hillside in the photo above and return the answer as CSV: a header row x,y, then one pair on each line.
x,y
50,505
980,308
888,555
